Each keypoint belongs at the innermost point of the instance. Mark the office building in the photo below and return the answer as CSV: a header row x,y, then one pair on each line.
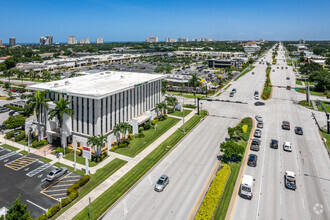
x,y
251,48
100,101
72,40
12,41
84,41
99,40
167,39
223,63
48,40
152,39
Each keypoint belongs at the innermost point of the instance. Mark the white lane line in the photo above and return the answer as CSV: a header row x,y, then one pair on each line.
x,y
303,203
280,199
150,179
37,205
125,207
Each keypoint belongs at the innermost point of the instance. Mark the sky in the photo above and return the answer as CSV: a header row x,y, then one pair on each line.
x,y
128,20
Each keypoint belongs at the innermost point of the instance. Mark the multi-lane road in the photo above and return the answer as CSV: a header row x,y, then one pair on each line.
x,y
190,164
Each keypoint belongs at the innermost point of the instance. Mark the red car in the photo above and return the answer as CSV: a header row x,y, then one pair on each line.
x,y
286,125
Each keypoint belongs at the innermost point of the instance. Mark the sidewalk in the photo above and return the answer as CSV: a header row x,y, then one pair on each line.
x,y
81,204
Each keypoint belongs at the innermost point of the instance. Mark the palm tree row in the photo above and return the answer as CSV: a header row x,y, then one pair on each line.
x,y
121,129
97,143
161,107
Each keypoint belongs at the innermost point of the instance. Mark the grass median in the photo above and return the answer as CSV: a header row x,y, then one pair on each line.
x,y
327,137
244,72
266,92
112,194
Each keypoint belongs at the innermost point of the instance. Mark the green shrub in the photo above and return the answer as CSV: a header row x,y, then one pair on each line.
x,y
214,194
14,121
61,150
153,122
147,126
20,137
141,129
38,144
15,108
9,135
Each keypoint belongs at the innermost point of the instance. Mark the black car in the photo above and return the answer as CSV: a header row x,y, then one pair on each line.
x,y
252,161
259,103
298,130
3,127
274,143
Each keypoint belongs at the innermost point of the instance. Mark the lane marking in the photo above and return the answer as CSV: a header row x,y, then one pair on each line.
x,y
280,199
303,203
57,194
8,155
37,205
38,170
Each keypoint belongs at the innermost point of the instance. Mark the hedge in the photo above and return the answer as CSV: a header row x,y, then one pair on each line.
x,y
72,193
212,197
38,144
15,108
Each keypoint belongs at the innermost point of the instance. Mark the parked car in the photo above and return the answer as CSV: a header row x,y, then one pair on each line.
x,y
231,94
259,118
286,125
162,183
287,146
274,144
256,97
260,124
287,78
234,90
290,180
298,130
252,160
252,73
259,103
255,145
257,133
3,127
56,173
256,93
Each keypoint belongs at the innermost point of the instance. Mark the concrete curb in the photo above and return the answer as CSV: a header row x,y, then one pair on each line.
x,y
152,168
240,174
325,144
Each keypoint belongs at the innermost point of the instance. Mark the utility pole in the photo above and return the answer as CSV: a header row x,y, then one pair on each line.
x,y
307,94
183,112
328,116
197,106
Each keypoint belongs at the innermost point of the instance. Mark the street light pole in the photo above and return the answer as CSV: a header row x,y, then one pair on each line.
x,y
183,112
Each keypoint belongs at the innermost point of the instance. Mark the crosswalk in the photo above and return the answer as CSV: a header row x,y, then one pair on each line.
x,y
20,163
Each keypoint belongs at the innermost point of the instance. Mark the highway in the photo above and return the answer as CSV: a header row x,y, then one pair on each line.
x,y
190,164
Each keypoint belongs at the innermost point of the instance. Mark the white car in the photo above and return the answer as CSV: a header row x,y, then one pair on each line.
x,y
256,97
258,118
287,146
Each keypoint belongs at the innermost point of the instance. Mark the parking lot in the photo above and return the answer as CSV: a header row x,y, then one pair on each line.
x,y
24,175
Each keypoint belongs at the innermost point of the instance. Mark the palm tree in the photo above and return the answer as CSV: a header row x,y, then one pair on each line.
x,y
164,86
60,109
194,82
21,75
92,140
117,131
125,127
36,103
158,109
182,85
162,107
97,143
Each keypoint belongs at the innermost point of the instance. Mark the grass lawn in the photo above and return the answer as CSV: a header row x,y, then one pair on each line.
x,y
227,87
80,159
304,103
298,82
24,142
24,152
179,114
96,179
44,159
79,172
218,94
190,106
10,147
245,72
325,104
221,211
139,144
111,195
327,137
188,95
311,92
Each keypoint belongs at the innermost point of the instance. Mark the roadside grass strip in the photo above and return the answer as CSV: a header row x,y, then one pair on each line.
x,y
10,147
214,194
244,72
112,194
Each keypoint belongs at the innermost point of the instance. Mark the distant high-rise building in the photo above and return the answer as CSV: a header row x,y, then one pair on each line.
x,y
84,41
81,41
173,40
99,40
48,40
88,41
0,42
183,39
72,40
152,39
167,39
12,41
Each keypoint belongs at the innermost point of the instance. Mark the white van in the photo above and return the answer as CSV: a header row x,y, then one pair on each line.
x,y
246,188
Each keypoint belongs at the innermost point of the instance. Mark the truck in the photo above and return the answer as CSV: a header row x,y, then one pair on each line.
x,y
246,188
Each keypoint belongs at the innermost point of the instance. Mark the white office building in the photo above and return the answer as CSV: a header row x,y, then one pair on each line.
x,y
99,40
167,39
251,48
100,101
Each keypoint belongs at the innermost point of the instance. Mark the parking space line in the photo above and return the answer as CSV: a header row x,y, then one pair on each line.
x,y
57,194
20,163
38,169
62,185
45,191
37,205
7,155
54,190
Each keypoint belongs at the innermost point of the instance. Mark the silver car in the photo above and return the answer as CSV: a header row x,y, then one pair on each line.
x,y
162,183
56,173
257,133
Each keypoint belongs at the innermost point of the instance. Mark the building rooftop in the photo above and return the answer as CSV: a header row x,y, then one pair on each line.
x,y
98,85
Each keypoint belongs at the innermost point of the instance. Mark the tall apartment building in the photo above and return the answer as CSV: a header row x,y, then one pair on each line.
x,y
12,41
84,41
72,40
99,40
152,39
167,39
48,40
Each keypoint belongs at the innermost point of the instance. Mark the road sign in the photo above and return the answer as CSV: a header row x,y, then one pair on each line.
x,y
87,153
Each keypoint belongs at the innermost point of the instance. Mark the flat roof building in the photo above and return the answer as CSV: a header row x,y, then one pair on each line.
x,y
152,39
12,41
100,101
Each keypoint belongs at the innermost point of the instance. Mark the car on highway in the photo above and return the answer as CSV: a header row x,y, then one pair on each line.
x,y
257,133
298,130
259,103
234,90
285,125
259,118
290,180
274,143
2,127
231,94
255,145
287,146
246,187
273,70
252,160
256,97
286,67
287,78
56,173
256,93
162,182
260,124
252,73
